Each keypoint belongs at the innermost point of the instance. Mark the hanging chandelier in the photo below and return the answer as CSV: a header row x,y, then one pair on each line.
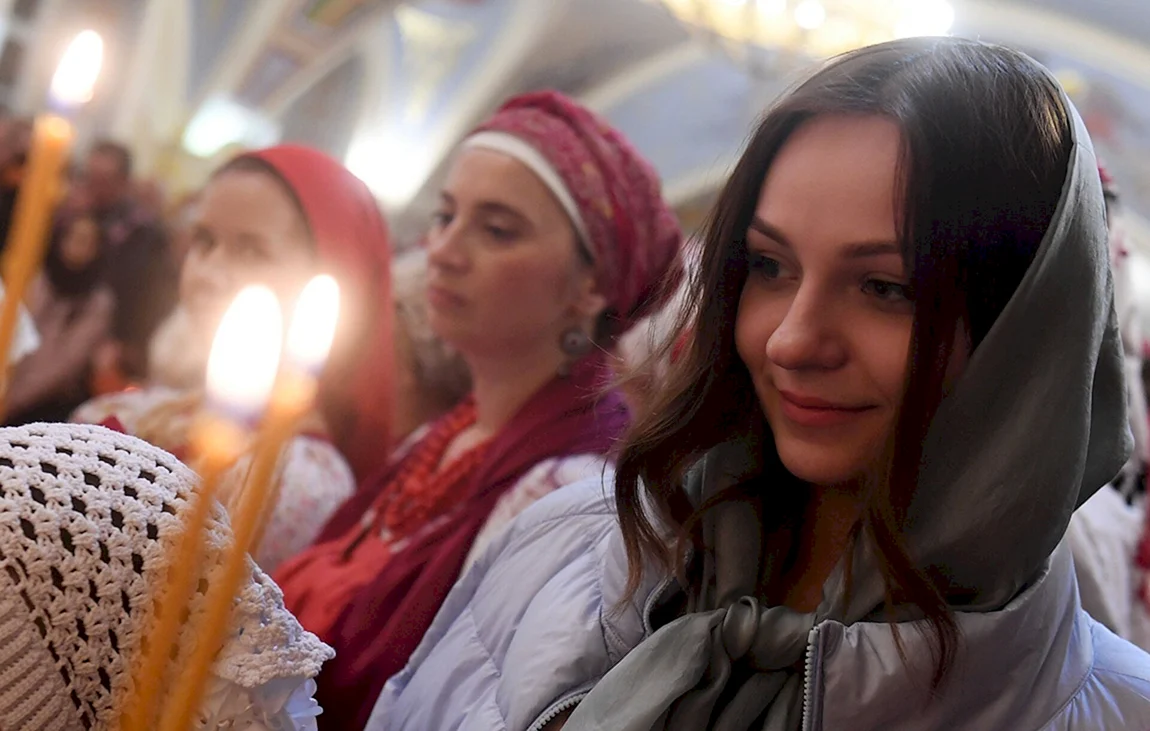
x,y
811,28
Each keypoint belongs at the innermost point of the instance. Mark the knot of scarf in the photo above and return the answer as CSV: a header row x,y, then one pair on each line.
x,y
730,663
727,670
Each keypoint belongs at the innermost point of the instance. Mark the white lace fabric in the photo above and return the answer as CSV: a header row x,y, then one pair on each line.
x,y
88,522
314,478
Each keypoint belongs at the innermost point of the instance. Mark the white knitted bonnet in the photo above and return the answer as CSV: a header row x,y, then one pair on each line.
x,y
88,518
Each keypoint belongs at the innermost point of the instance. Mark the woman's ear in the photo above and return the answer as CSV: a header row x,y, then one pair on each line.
x,y
589,303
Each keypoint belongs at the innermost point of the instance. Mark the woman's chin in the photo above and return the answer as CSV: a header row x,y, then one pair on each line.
x,y
457,335
818,467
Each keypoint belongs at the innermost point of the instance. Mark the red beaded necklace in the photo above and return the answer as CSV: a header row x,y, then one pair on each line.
x,y
421,490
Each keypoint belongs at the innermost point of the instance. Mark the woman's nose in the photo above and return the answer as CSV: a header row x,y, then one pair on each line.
x,y
809,335
446,248
208,275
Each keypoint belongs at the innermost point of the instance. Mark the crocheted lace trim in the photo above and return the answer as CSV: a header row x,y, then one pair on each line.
x,y
88,518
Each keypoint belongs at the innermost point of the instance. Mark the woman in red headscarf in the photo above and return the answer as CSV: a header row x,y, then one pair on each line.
x,y
551,240
278,217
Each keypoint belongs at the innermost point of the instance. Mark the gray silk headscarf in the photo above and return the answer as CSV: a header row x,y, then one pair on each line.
x,y
1035,425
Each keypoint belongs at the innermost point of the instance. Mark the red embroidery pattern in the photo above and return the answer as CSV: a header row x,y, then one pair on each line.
x,y
422,491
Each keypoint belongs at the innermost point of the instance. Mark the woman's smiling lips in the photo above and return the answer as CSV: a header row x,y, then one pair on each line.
x,y
810,411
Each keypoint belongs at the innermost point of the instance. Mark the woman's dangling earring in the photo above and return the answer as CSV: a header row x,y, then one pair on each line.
x,y
575,344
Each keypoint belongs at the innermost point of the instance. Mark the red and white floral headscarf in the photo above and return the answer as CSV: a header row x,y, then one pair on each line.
x,y
610,192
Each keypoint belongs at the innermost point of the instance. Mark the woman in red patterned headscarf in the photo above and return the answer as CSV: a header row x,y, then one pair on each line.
x,y
278,217
551,240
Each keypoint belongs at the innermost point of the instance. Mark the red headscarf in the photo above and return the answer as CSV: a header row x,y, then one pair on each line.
x,y
634,237
352,243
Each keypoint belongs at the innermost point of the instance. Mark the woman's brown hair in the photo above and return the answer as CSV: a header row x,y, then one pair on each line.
x,y
986,142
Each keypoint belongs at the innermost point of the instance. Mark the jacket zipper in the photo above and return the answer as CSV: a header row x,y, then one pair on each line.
x,y
808,679
569,701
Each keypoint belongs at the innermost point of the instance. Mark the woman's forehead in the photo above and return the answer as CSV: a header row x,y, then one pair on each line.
x,y
481,177
835,178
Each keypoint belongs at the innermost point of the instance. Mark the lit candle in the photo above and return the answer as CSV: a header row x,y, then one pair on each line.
x,y
313,326
309,342
245,356
52,136
241,373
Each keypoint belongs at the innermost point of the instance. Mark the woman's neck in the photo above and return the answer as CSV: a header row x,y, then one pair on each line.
x,y
501,389
829,521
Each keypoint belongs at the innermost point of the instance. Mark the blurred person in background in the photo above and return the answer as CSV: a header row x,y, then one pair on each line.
x,y
15,137
180,220
552,239
647,353
1110,533
150,198
278,217
138,265
178,352
73,310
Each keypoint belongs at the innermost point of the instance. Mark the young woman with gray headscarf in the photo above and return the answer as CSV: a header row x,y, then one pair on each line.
x,y
847,508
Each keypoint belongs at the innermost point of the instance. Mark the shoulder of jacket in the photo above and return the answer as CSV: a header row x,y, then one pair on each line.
x,y
576,517
575,532
537,610
544,537
591,498
1116,692
1118,662
571,531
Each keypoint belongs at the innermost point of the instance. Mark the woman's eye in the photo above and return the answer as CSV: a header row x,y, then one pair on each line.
x,y
252,252
766,266
440,219
202,238
500,233
887,291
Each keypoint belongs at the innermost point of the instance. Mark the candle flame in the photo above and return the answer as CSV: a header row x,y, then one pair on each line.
x,y
313,324
76,75
245,355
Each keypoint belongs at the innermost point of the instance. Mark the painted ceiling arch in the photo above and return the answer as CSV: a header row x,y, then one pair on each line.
x,y
692,118
393,85
309,121
714,103
213,26
450,63
259,56
708,106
